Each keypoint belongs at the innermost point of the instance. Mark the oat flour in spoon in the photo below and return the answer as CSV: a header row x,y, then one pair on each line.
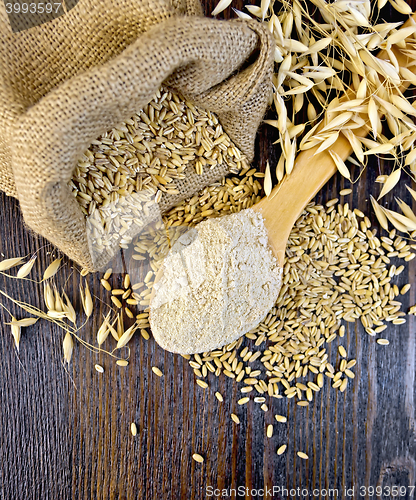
x,y
219,282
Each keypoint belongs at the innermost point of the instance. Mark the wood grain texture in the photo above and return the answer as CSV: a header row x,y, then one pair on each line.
x,y
65,434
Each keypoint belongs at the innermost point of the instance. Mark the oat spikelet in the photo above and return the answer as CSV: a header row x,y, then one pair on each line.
x,y
374,117
48,297
87,300
355,144
412,192
290,157
59,303
104,330
342,168
403,104
57,314
293,45
280,168
411,157
311,112
399,36
328,142
381,216
408,75
254,9
23,322
319,45
68,346
120,326
16,331
113,331
406,209
267,180
338,121
9,263
69,309
222,5
17,325
391,181
127,335
401,6
400,220
380,149
26,268
52,269
241,15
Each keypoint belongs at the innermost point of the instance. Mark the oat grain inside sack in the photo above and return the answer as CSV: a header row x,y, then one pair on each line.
x,y
133,172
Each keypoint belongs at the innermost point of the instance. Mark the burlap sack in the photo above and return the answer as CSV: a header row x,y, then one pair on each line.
x,y
67,81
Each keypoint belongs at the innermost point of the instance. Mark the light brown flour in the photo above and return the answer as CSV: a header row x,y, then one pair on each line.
x,y
219,282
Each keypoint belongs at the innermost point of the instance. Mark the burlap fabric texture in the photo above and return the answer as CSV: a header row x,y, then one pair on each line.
x,y
65,82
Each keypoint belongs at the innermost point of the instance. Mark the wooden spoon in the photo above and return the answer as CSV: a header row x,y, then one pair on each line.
x,y
310,173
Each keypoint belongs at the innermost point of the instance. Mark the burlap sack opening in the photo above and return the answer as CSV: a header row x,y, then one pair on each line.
x,y
50,113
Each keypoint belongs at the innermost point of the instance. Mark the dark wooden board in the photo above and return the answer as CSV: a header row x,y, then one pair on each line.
x,y
65,433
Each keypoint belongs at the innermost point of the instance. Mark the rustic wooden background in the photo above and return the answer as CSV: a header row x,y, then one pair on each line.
x,y
65,433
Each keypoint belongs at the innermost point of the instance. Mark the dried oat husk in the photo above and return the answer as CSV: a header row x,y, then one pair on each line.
x,y
61,88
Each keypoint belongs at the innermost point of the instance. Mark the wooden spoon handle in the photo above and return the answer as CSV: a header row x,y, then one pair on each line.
x,y
310,173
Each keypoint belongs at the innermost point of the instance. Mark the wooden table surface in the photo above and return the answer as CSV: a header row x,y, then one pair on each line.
x,y
65,433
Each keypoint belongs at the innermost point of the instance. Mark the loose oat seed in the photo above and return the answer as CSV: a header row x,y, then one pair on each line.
x,y
157,371
106,285
198,458
344,384
219,397
383,341
342,351
116,302
282,449
235,418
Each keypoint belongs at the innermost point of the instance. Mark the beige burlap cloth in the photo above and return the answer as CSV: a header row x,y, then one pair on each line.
x,y
65,82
